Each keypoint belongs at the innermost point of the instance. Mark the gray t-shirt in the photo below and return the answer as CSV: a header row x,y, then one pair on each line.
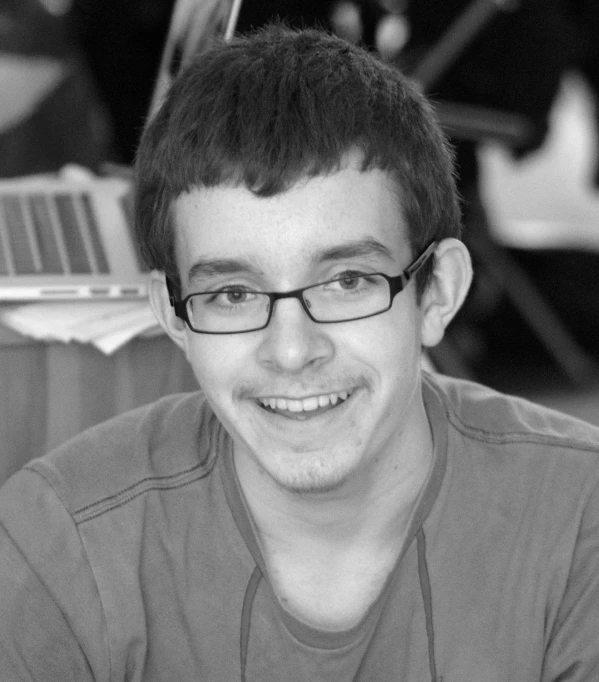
x,y
128,554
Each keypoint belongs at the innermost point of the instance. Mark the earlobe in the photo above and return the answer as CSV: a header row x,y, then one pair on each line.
x,y
164,311
447,289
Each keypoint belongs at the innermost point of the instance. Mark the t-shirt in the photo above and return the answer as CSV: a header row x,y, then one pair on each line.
x,y
129,554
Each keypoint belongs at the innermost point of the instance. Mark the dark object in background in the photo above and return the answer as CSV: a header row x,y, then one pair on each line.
x,y
65,128
295,13
514,64
514,360
69,124
27,28
123,42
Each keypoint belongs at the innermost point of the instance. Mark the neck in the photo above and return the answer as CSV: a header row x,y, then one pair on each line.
x,y
329,555
371,505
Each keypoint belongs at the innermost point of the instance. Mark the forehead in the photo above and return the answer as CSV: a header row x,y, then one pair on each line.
x,y
289,232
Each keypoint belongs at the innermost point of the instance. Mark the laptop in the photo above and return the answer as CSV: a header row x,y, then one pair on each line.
x,y
71,238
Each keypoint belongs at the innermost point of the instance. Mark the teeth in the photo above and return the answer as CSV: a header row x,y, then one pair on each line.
x,y
295,406
306,404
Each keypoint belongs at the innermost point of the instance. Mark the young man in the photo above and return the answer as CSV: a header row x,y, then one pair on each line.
x,y
323,509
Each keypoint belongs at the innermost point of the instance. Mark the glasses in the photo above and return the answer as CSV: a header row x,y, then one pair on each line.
x,y
237,310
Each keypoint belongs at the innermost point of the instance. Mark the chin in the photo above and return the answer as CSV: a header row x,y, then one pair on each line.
x,y
311,478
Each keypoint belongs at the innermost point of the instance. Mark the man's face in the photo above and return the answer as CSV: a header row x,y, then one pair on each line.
x,y
311,407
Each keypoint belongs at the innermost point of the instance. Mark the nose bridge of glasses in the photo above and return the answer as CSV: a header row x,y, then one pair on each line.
x,y
295,293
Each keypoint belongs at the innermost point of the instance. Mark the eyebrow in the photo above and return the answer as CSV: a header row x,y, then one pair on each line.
x,y
355,249
209,267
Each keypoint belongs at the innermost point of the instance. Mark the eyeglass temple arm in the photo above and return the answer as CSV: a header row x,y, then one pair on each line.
x,y
420,261
171,287
399,283
174,295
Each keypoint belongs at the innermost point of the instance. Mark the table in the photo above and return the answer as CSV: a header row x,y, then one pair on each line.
x,y
49,392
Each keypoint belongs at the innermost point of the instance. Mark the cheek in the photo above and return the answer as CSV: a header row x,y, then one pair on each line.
x,y
395,357
214,364
390,347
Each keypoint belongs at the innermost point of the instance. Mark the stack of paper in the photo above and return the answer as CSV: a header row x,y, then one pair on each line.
x,y
107,325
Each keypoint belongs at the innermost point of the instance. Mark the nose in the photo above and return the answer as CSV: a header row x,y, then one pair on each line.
x,y
292,341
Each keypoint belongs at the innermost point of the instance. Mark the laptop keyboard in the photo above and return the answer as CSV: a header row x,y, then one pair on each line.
x,y
49,234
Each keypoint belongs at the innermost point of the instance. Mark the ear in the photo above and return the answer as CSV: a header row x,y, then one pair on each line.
x,y
446,290
164,311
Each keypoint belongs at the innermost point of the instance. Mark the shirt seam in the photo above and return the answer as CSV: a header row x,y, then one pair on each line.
x,y
105,504
497,437
145,485
487,435
519,436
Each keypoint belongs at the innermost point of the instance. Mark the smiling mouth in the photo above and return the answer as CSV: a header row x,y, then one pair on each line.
x,y
305,407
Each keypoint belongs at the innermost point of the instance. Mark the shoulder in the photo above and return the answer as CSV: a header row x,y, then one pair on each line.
x,y
517,470
157,444
486,419
75,529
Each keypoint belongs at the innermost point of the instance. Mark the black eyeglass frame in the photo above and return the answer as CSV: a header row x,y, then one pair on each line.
x,y
396,285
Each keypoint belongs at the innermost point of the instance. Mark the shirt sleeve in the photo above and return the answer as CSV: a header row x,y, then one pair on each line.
x,y
52,626
36,642
572,654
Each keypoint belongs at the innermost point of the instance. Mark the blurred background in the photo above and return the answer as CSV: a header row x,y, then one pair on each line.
x,y
516,87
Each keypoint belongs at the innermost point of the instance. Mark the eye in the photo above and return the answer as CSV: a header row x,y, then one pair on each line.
x,y
349,280
235,295
231,296
353,283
